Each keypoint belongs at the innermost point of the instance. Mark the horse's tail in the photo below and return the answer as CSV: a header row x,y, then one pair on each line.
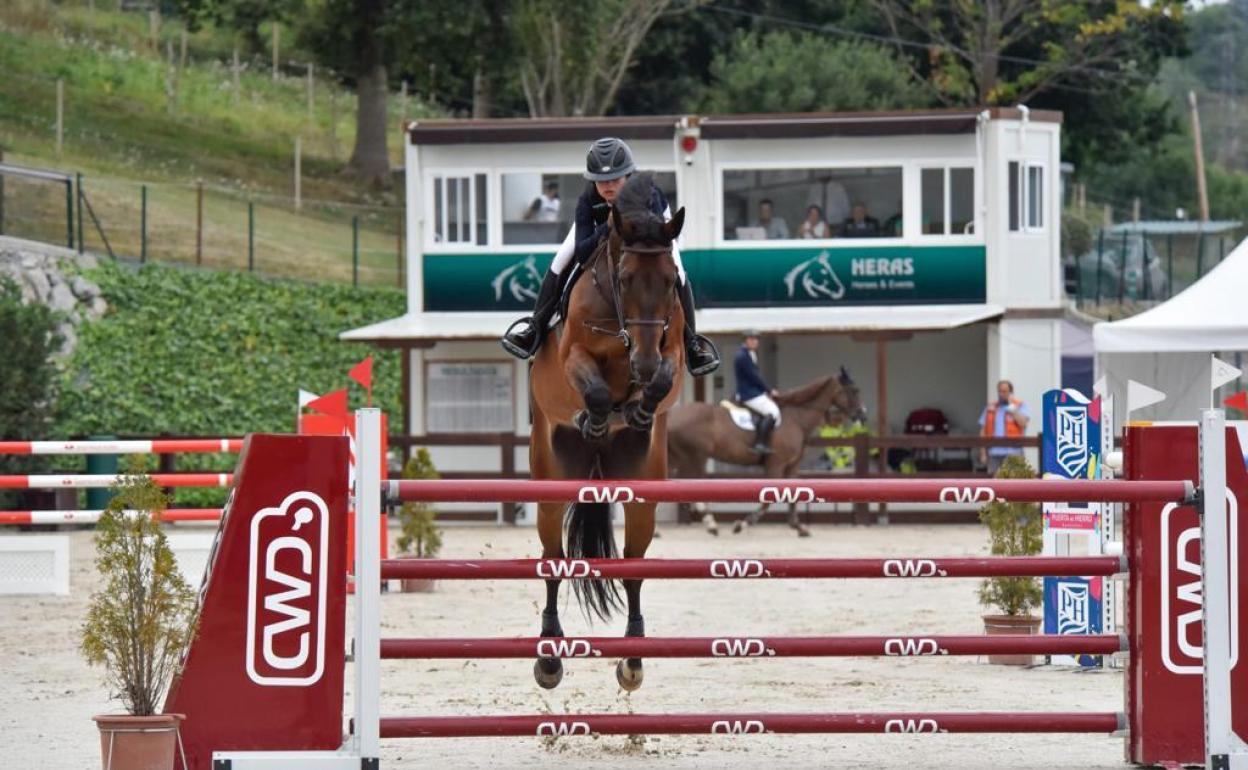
x,y
590,536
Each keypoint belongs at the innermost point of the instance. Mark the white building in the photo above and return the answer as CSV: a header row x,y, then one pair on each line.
x,y
961,285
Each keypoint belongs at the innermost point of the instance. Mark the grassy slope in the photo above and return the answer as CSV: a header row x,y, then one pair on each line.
x,y
121,130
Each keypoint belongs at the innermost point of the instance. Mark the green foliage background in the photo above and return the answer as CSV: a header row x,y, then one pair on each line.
x,y
206,353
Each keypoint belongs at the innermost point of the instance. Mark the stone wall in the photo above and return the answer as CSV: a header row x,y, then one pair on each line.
x,y
51,275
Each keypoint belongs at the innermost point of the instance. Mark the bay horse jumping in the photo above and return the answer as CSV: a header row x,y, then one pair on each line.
x,y
698,431
599,391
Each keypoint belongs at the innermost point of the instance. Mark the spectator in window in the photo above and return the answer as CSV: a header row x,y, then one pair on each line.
x,y
860,223
545,207
893,225
813,226
775,227
1006,417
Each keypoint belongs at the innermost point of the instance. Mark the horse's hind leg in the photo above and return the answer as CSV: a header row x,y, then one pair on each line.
x,y
638,531
549,671
750,519
708,518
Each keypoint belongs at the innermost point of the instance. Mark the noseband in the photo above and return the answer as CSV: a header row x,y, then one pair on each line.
x,y
614,298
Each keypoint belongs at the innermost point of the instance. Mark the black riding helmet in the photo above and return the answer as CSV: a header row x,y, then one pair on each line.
x,y
609,158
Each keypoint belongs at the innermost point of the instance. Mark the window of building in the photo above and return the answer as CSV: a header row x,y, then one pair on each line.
x,y
795,204
948,201
459,209
1026,182
469,397
540,208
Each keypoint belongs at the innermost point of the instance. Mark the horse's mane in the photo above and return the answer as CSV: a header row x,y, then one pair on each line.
x,y
803,395
633,205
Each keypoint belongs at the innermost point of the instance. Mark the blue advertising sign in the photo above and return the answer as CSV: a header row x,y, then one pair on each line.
x,y
1072,435
1077,608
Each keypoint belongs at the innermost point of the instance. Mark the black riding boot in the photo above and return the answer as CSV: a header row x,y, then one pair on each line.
x,y
523,342
762,434
700,354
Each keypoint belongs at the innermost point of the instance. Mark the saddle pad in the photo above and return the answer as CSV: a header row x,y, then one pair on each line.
x,y
743,417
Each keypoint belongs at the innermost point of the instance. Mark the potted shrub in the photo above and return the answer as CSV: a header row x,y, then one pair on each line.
x,y
1015,529
418,537
137,626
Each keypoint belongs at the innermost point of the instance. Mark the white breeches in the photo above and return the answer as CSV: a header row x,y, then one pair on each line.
x,y
567,250
764,405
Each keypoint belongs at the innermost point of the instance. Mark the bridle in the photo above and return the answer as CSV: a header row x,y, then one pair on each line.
x,y
613,296
839,404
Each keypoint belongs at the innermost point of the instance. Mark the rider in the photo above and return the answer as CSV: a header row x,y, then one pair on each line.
x,y
608,165
752,391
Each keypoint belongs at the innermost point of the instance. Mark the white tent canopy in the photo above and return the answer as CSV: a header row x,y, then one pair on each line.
x,y
1168,346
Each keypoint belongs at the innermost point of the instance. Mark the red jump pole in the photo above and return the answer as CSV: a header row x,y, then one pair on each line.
x,y
689,724
958,491
751,647
99,481
121,447
91,517
518,569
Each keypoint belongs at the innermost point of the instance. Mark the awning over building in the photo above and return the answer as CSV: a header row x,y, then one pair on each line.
x,y
424,328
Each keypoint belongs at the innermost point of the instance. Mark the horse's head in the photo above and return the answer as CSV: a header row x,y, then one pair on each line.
x,y
847,402
645,274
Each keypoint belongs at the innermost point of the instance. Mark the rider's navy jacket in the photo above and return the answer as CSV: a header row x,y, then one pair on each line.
x,y
591,218
750,382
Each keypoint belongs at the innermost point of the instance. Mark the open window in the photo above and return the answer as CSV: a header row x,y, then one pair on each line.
x,y
785,204
948,198
1026,182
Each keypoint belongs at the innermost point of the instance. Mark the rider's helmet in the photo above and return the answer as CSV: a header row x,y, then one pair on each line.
x,y
609,158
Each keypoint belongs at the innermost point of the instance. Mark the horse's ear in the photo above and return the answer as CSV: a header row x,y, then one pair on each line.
x,y
845,378
673,226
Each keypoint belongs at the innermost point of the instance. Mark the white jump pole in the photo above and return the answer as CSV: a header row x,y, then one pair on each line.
x,y
1223,750
368,533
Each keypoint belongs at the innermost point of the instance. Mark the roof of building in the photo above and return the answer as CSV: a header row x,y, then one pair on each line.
x,y
763,126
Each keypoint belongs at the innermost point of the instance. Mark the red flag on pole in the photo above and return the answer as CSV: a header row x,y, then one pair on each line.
x,y
363,374
333,404
1238,401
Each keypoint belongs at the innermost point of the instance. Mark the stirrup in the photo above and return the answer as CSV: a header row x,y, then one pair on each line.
x,y
522,353
702,344
762,449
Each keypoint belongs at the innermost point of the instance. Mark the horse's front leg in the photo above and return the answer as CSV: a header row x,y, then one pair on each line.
x,y
582,371
638,532
549,671
639,411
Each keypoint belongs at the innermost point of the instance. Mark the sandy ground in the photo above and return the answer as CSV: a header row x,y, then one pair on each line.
x,y
49,694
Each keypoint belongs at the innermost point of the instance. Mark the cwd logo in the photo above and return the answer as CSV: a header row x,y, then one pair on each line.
x,y
912,568
566,648
615,494
908,645
912,726
1182,597
967,495
739,648
565,568
737,568
562,728
787,495
737,727
286,592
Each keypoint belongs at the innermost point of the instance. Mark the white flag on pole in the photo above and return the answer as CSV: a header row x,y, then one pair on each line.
x,y
306,397
1222,373
1140,395
1100,388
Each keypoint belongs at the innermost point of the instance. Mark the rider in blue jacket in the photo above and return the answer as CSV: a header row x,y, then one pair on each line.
x,y
608,165
754,393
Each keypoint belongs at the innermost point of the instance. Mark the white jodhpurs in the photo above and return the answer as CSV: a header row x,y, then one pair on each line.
x,y
764,405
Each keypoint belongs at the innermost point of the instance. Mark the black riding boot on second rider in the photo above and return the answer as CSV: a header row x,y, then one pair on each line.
x,y
524,337
762,434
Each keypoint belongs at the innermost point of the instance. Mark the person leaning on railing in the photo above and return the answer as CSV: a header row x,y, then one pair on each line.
x,y
1007,417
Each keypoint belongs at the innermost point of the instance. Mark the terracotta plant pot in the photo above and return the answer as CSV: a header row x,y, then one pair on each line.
x,y
417,585
138,743
995,625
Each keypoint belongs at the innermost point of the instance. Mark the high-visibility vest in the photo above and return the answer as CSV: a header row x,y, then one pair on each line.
x,y
1012,428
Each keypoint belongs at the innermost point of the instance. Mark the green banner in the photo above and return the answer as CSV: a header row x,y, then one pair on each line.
x,y
867,275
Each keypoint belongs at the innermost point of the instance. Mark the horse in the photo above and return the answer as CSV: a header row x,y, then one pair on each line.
x,y
599,397
697,431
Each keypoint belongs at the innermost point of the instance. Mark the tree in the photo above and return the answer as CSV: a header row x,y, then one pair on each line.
x,y
1094,60
242,16
801,72
28,342
574,55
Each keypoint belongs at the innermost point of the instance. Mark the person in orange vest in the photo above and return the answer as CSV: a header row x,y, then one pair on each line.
x,y
1005,417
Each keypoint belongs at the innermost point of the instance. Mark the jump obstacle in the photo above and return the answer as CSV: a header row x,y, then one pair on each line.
x,y
267,692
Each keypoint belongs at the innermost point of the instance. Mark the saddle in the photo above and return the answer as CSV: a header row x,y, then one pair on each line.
x,y
744,417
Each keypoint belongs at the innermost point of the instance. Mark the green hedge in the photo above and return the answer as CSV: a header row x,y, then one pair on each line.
x,y
204,353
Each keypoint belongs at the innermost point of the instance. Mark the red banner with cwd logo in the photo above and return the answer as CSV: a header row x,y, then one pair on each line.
x,y
264,669
1165,691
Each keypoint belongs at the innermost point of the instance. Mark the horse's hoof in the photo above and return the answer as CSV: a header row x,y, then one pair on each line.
x,y
629,673
591,431
739,527
802,530
638,418
712,527
548,672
